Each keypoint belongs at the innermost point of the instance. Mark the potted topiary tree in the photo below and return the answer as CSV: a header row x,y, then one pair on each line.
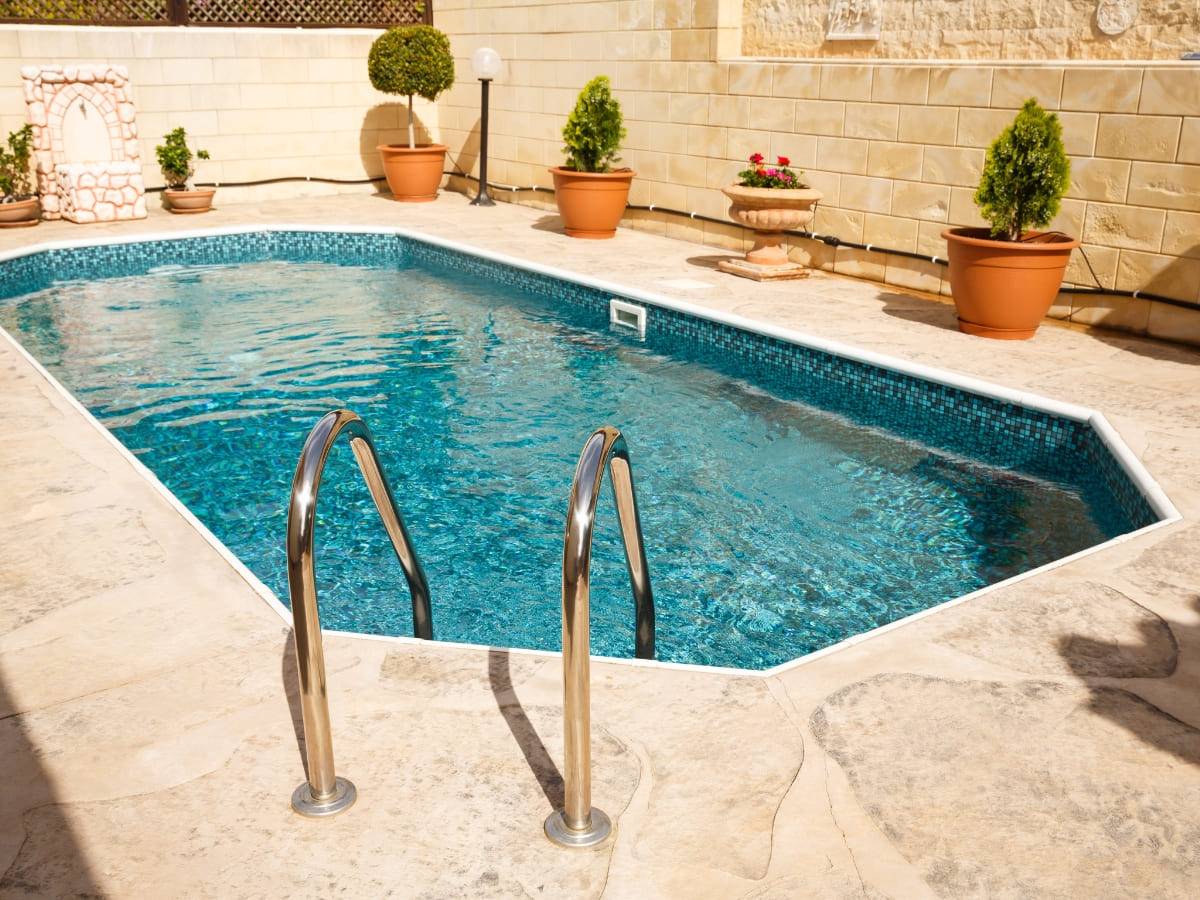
x,y
590,194
18,200
1005,278
412,60
175,160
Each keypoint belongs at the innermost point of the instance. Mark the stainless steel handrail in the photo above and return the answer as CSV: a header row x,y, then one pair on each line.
x,y
578,824
324,794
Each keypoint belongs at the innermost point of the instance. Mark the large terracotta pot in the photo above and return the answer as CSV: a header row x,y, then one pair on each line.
x,y
591,204
20,214
413,173
190,202
1003,289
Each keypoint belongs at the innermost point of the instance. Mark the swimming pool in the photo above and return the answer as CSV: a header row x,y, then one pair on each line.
x,y
225,390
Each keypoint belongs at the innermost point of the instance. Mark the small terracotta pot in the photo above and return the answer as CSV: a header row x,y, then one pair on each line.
x,y
591,204
20,214
1003,289
414,174
190,202
770,212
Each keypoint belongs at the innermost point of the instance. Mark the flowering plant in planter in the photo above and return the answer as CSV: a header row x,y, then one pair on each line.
x,y
776,176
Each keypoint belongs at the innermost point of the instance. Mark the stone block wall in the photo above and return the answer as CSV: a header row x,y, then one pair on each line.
x,y
265,103
971,29
896,146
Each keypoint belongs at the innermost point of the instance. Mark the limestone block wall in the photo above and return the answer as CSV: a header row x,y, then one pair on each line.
x,y
897,147
265,103
971,29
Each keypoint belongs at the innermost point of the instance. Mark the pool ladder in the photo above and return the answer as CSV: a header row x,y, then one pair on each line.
x,y
325,794
578,824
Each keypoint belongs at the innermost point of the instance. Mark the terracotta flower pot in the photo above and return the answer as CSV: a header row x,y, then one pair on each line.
x,y
770,212
1003,289
190,202
20,214
591,204
414,174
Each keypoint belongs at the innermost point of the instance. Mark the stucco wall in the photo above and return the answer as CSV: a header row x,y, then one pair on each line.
x,y
265,103
977,29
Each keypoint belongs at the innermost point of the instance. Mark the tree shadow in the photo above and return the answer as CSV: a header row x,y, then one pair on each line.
x,y
386,123
912,308
1177,656
48,861
550,223
526,736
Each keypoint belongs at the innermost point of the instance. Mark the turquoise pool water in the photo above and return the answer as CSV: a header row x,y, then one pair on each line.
x,y
774,527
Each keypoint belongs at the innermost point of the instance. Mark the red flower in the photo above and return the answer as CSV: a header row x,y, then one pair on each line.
x,y
756,158
783,161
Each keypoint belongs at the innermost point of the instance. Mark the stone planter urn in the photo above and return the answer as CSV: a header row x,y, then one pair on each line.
x,y
770,212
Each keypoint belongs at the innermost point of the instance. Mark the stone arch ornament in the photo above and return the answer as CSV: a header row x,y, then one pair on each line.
x,y
90,170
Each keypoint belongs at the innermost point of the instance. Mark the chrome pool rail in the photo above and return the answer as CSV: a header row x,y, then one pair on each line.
x,y
578,824
325,794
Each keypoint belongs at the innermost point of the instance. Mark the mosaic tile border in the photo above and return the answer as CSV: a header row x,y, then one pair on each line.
x,y
955,420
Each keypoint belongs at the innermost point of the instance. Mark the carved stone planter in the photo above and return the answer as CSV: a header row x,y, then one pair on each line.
x,y
770,212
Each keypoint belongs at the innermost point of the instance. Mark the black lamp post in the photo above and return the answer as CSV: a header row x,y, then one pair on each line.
x,y
486,63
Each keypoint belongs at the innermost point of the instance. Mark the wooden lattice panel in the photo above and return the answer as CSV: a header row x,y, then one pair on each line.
x,y
373,13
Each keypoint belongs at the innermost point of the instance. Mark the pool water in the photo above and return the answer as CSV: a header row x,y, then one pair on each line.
x,y
773,528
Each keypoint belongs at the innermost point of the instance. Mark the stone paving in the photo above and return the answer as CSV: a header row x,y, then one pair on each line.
x,y
1038,740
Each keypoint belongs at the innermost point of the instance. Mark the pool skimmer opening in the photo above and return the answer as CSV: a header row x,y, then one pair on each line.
x,y
627,315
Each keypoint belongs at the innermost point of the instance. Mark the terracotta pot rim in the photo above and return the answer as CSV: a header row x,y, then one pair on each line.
x,y
615,175
200,190
1033,242
404,148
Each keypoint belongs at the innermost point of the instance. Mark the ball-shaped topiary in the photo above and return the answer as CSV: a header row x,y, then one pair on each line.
x,y
1025,174
594,130
411,60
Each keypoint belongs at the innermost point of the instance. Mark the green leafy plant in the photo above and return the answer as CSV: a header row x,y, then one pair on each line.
x,y
412,60
175,160
777,176
594,130
16,180
1025,174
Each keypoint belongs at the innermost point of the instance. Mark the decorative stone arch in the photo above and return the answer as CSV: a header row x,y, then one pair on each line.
x,y
89,171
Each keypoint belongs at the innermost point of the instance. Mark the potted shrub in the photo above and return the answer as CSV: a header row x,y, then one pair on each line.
x,y
175,160
18,200
1005,278
412,60
769,199
590,194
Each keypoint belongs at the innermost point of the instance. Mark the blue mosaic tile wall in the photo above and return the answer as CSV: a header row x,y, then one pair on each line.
x,y
951,419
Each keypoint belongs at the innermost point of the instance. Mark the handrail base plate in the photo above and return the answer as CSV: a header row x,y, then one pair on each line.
x,y
598,830
344,795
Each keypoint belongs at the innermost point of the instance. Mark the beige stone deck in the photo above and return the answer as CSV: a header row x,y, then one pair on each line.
x,y
1038,741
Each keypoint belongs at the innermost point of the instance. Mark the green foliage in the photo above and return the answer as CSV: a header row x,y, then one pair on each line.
x,y
175,159
16,179
411,60
1025,174
594,130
